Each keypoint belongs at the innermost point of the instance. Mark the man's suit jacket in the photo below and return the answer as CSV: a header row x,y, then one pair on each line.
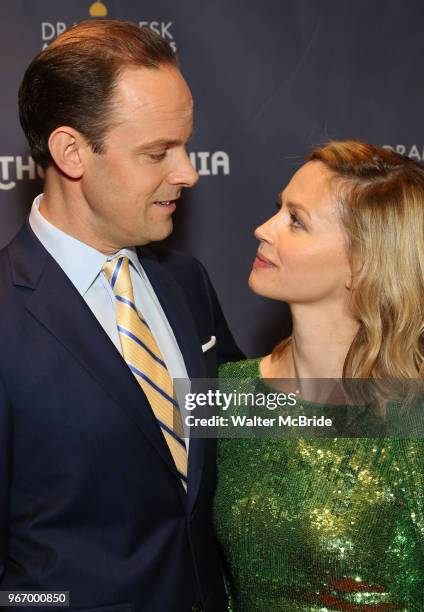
x,y
90,500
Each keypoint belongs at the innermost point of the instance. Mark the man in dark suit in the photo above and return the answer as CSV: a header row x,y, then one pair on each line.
x,y
101,493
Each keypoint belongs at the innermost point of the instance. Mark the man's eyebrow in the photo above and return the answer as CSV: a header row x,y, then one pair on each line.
x,y
161,143
295,205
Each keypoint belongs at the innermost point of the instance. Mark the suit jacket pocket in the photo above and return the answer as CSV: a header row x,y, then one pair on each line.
x,y
211,361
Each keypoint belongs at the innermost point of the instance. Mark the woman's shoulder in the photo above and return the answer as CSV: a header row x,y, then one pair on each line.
x,y
248,368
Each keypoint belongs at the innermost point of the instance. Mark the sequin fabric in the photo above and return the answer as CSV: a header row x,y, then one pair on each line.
x,y
316,525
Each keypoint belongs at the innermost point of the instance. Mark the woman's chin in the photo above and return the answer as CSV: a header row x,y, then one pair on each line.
x,y
257,286
251,281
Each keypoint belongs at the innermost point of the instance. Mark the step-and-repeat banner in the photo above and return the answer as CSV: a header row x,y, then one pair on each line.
x,y
270,80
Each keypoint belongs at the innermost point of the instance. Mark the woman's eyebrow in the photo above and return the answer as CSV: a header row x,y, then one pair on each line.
x,y
295,205
298,207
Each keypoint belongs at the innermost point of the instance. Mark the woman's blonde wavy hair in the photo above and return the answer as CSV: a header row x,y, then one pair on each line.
x,y
381,196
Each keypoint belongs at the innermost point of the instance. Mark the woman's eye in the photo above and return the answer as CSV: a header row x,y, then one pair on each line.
x,y
295,222
277,205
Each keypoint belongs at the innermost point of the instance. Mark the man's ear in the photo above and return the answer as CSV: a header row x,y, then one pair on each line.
x,y
65,146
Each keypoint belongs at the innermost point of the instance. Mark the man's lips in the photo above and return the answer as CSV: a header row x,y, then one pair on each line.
x,y
263,262
165,202
168,205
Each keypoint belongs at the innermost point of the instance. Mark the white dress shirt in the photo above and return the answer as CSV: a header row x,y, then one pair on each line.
x,y
83,266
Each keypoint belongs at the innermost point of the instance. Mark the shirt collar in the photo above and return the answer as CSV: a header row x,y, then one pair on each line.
x,y
80,262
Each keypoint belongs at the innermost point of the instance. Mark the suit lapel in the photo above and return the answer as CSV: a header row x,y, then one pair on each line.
x,y
177,312
58,306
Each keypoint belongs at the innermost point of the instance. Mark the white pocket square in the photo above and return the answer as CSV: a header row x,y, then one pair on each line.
x,y
209,344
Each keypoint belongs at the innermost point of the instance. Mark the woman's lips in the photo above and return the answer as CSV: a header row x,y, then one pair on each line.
x,y
262,262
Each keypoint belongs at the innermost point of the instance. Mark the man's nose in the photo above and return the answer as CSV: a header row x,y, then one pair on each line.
x,y
184,173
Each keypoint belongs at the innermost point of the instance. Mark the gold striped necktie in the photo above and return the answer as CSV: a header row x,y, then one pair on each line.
x,y
143,357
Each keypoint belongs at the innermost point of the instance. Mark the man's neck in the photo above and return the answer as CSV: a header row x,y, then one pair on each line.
x,y
65,212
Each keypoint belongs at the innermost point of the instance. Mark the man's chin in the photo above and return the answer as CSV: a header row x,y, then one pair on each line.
x,y
158,234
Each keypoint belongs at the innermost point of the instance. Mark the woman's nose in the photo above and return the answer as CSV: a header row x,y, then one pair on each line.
x,y
264,232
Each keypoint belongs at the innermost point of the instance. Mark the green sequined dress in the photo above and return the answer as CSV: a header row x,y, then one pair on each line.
x,y
314,525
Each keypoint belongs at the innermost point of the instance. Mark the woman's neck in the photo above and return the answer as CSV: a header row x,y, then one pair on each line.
x,y
320,341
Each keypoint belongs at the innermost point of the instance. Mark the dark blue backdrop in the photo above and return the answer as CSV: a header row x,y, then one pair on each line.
x,y
270,80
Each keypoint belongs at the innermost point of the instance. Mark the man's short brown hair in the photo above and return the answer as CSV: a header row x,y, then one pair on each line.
x,y
72,81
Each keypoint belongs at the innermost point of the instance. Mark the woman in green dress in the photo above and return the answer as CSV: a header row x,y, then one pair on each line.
x,y
333,523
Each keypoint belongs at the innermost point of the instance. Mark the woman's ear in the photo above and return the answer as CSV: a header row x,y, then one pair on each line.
x,y
64,146
355,269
